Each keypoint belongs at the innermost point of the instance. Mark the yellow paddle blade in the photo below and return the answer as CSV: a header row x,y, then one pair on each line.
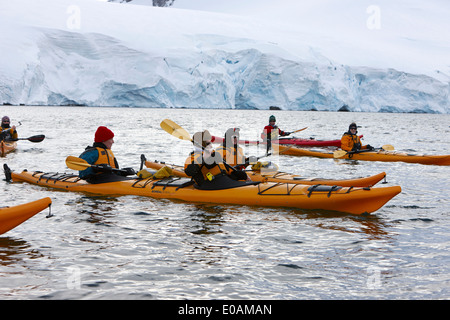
x,y
339,154
388,147
174,129
76,163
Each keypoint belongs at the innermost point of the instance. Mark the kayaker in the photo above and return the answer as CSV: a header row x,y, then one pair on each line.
x,y
350,140
272,132
201,164
8,133
100,154
205,165
267,132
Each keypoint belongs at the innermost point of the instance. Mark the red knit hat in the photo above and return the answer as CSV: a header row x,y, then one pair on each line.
x,y
102,134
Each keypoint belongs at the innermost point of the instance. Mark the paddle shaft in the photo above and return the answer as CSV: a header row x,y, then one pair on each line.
x,y
343,153
274,134
386,147
81,164
268,154
366,150
299,130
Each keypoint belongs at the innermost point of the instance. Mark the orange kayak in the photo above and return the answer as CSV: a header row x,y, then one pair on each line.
x,y
11,217
284,177
7,147
351,200
381,155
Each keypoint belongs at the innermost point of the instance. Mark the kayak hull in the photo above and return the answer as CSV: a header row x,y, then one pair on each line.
x,y
7,147
284,177
382,155
11,217
349,200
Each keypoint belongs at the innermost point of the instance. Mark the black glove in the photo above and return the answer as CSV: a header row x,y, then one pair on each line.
x,y
287,133
369,147
192,169
124,172
128,172
238,175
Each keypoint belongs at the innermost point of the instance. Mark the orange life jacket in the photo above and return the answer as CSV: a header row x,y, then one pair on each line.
x,y
106,156
232,156
351,142
8,134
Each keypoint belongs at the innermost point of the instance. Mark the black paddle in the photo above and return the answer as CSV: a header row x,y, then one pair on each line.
x,y
36,138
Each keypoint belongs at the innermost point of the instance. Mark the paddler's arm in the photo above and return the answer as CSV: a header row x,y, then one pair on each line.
x,y
90,157
283,133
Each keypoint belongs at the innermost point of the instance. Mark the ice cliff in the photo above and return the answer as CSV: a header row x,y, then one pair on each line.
x,y
93,53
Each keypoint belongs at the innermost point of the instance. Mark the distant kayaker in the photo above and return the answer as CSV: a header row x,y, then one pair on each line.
x,y
206,165
272,132
350,140
100,154
8,133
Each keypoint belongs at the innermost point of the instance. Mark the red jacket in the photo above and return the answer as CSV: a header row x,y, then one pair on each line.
x,y
268,131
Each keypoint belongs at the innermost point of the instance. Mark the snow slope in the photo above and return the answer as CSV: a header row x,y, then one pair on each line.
x,y
110,54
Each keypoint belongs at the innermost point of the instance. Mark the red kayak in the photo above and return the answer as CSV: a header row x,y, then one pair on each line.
x,y
293,141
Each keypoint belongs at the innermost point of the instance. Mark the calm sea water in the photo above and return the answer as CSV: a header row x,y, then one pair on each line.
x,y
139,248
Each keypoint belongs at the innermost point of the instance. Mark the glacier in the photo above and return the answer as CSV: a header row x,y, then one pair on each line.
x,y
93,53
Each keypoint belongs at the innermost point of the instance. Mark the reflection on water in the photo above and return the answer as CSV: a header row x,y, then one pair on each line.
x,y
207,219
372,227
142,248
95,209
15,251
